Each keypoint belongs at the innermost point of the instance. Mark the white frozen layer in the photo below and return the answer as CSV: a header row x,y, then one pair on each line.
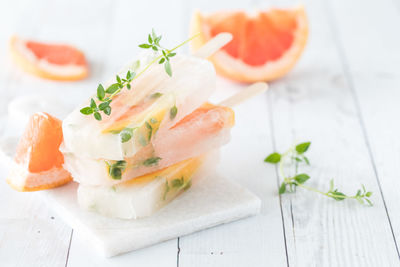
x,y
147,194
208,129
191,84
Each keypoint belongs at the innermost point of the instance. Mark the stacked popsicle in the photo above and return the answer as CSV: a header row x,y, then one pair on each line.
x,y
155,141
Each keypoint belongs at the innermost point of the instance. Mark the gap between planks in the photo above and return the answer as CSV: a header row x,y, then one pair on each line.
x,y
272,130
69,247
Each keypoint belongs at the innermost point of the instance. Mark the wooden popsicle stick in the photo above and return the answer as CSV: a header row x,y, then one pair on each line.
x,y
213,45
250,91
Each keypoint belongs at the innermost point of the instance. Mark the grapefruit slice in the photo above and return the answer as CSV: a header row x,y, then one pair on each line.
x,y
38,162
265,46
50,61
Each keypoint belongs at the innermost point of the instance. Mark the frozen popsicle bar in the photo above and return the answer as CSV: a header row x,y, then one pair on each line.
x,y
144,195
156,101
203,130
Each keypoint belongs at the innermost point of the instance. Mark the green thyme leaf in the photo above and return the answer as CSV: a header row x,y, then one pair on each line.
x,y
107,110
86,110
116,173
103,105
100,92
97,116
118,79
145,46
172,112
148,126
93,103
358,193
126,135
178,182
273,158
303,147
116,169
336,195
301,178
167,67
112,88
151,161
156,95
282,188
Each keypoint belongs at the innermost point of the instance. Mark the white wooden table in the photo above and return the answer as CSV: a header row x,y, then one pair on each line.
x,y
343,95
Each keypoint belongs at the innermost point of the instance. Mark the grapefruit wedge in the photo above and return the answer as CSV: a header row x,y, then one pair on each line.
x,y
38,162
265,46
50,61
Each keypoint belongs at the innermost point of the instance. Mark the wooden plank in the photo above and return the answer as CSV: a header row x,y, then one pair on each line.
x,y
129,24
257,241
315,103
30,234
163,254
371,59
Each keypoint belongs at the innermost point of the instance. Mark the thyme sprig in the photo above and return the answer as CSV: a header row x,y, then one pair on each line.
x,y
105,96
290,183
166,54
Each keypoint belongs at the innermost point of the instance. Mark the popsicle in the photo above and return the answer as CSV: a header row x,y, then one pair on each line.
x,y
144,195
205,129
150,101
153,97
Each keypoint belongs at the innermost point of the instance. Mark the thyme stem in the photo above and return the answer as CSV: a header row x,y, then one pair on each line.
x,y
296,154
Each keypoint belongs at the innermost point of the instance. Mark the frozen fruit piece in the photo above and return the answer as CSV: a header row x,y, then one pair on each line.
x,y
50,61
38,162
144,195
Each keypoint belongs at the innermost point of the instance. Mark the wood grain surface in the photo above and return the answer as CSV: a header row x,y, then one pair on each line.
x,y
343,95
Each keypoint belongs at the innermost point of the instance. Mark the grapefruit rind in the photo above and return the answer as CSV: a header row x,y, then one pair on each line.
x,y
30,63
236,69
22,180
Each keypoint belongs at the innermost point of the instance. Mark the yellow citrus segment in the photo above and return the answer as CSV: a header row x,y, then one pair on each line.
x,y
50,61
183,169
264,46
